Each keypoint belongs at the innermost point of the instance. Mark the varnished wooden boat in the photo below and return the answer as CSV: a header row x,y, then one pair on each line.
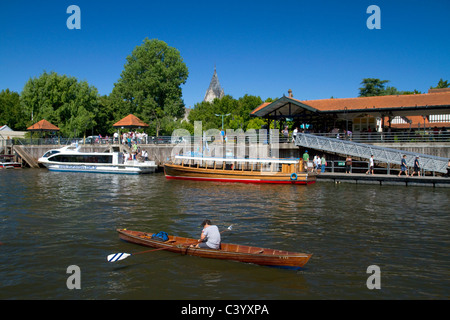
x,y
284,171
248,254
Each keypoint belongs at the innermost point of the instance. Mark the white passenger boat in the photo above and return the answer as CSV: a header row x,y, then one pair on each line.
x,y
70,159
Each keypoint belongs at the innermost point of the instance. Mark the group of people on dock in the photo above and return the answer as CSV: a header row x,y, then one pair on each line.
x,y
321,163
318,162
130,137
404,167
136,154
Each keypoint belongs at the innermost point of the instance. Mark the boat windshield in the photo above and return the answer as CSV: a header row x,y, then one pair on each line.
x,y
49,153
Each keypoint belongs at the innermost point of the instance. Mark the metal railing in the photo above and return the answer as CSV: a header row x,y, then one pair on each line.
x,y
384,137
363,137
363,166
365,151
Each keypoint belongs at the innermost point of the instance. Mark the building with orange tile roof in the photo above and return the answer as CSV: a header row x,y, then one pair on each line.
x,y
364,113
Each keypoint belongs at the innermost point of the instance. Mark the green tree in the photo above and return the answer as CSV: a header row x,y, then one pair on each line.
x,y
442,84
390,91
411,92
375,87
247,104
238,112
150,85
204,112
106,115
372,87
11,113
64,101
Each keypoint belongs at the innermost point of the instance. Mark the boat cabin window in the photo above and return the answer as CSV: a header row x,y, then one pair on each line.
x,y
49,153
82,158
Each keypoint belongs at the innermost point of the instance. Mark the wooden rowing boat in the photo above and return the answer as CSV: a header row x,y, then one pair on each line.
x,y
248,254
284,171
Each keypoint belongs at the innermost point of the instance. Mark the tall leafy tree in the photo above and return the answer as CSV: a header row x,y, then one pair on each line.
x,y
236,113
442,84
372,87
150,85
375,87
11,113
105,118
62,100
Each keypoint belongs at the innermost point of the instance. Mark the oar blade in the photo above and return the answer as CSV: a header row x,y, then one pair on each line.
x,y
117,256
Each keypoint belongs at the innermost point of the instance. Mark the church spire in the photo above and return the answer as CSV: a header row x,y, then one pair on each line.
x,y
214,90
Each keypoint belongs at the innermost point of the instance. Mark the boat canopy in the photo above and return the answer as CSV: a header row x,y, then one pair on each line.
x,y
250,160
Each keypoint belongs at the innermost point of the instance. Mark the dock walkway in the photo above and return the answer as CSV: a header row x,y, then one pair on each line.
x,y
365,151
384,179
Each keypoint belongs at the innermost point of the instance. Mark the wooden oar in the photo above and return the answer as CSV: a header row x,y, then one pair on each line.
x,y
229,228
122,255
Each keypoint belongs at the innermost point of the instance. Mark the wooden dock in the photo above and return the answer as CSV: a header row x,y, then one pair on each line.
x,y
385,180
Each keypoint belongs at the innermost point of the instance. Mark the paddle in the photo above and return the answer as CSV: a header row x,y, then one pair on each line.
x,y
122,255
114,257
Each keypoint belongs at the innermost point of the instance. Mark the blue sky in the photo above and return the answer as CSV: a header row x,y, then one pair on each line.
x,y
318,49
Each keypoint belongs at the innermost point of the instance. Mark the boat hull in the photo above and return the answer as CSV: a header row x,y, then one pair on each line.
x,y
7,162
70,159
97,168
10,165
173,171
247,254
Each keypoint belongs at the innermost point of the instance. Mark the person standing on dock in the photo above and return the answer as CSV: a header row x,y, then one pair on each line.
x,y
306,159
294,134
403,166
416,167
323,161
348,164
371,164
316,163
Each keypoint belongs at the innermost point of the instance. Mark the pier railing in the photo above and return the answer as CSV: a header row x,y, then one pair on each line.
x,y
338,166
384,137
365,151
363,137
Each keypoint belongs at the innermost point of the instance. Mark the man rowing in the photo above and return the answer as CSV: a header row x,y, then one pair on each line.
x,y
210,237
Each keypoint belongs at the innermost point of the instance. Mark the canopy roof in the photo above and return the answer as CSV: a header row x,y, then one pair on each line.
x,y
43,125
130,121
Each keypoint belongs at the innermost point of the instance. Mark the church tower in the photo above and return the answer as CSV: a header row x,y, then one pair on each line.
x,y
214,90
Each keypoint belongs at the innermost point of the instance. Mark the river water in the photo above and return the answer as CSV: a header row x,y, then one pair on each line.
x,y
50,221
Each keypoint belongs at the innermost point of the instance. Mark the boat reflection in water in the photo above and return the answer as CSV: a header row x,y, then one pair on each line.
x,y
70,159
245,170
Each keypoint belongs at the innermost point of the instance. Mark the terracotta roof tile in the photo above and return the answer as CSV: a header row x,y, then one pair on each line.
x,y
130,121
397,101
43,125
261,106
